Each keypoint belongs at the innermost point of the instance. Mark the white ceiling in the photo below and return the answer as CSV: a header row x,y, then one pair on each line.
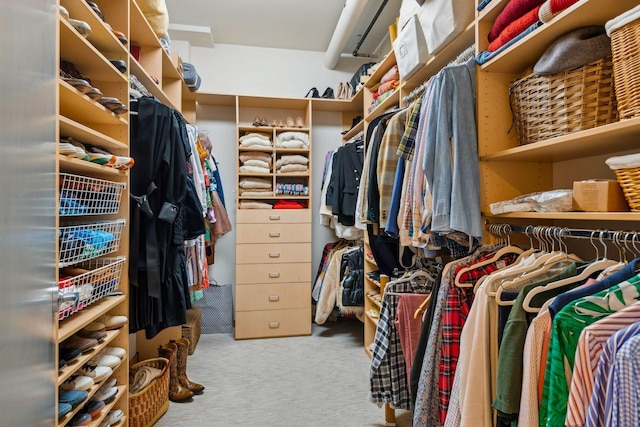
x,y
284,24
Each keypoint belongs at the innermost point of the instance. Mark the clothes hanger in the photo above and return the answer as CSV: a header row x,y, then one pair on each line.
x,y
422,308
597,266
507,249
622,255
541,267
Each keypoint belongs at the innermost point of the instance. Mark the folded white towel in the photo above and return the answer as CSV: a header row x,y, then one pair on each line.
x,y
624,162
622,20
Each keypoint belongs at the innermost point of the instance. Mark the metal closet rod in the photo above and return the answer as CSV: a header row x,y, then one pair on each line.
x,y
562,232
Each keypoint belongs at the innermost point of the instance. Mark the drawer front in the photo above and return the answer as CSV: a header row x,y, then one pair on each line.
x,y
263,216
273,273
273,296
263,253
273,323
273,233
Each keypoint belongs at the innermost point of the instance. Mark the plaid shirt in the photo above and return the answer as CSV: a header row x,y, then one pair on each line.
x,y
426,412
406,147
456,311
388,375
622,407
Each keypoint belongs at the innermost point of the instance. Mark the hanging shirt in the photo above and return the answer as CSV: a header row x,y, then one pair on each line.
x,y
596,415
567,326
622,407
590,345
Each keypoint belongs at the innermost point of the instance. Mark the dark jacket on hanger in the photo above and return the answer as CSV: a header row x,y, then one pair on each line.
x,y
342,192
159,295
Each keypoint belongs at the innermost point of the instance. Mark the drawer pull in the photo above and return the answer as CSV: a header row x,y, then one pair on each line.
x,y
274,234
274,217
274,298
274,254
274,275
274,325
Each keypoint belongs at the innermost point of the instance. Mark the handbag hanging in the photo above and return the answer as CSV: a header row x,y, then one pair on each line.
x,y
410,48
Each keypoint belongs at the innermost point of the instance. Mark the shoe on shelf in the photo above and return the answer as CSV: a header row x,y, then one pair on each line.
x,y
257,121
72,397
290,122
80,419
82,344
120,36
114,416
97,335
328,93
63,409
98,373
274,123
96,9
81,27
313,93
105,394
94,407
264,121
299,122
63,12
105,360
118,352
78,382
119,64
112,322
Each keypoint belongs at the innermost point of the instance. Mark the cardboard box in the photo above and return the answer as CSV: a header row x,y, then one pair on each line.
x,y
599,195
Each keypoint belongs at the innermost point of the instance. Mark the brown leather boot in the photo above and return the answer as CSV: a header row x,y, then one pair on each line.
x,y
177,393
183,353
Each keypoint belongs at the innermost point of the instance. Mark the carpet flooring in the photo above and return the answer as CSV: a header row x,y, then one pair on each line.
x,y
312,381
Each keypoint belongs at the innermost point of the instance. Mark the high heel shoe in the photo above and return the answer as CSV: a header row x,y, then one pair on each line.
x,y
328,93
313,93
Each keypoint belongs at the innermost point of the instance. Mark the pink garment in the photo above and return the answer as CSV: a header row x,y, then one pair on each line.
x,y
513,10
387,86
513,29
409,328
391,74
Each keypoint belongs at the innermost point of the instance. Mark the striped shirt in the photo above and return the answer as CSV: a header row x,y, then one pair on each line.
x,y
622,406
596,415
592,340
566,329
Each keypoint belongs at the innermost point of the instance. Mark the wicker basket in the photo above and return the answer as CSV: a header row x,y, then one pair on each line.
x,y
549,106
147,406
625,48
629,180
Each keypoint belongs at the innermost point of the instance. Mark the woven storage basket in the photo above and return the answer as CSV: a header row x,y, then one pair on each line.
x,y
625,48
629,180
549,106
147,406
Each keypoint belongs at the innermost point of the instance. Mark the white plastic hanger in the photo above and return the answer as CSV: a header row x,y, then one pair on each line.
x,y
509,248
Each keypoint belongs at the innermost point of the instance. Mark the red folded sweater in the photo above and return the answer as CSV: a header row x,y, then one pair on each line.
x,y
559,5
513,29
512,11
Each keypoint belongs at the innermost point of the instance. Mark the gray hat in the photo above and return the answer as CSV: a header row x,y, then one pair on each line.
x,y
574,49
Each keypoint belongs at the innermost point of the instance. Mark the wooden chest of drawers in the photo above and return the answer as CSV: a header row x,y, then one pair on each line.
x,y
273,273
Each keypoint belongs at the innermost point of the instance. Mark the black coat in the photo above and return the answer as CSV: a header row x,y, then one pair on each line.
x,y
342,192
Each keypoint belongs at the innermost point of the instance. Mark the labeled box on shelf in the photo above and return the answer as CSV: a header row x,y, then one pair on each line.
x,y
598,195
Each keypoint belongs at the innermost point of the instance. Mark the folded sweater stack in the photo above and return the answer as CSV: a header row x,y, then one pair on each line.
x,y
292,139
255,140
255,187
292,163
255,162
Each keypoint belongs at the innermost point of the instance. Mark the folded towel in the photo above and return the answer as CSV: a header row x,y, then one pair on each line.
x,y
622,20
143,377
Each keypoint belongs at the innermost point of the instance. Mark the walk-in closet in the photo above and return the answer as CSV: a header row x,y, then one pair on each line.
x,y
341,212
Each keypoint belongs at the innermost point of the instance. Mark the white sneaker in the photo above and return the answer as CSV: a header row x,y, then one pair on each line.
x,y
98,373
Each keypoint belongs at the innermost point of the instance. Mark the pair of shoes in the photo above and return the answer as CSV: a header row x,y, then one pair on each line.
x,y
95,8
70,74
113,104
181,389
80,419
98,373
72,397
277,123
299,122
82,344
344,90
313,93
93,408
114,416
81,27
78,382
328,93
119,64
260,121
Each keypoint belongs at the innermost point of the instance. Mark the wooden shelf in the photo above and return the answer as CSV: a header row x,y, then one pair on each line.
x,y
574,216
385,65
141,32
83,133
81,108
70,325
354,131
389,102
81,167
203,98
619,136
153,87
80,360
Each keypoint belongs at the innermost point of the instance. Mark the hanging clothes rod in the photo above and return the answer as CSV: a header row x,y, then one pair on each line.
x,y
562,232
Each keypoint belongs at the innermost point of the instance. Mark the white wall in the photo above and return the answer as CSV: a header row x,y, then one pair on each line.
x,y
245,70
242,70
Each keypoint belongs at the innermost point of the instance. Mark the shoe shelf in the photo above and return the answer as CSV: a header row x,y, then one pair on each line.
x,y
79,107
122,390
80,132
71,325
73,365
101,36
